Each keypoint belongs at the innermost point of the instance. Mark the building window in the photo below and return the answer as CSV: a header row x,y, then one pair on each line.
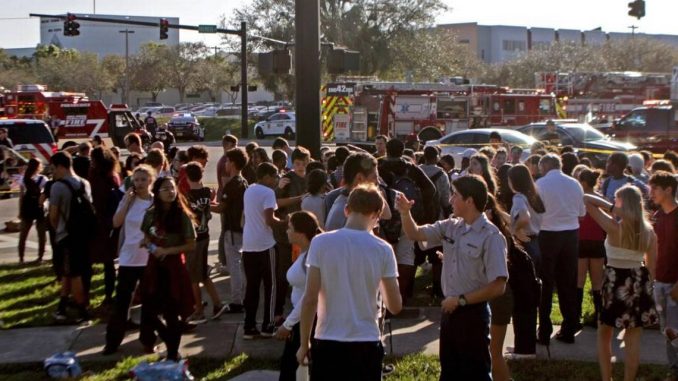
x,y
540,45
513,45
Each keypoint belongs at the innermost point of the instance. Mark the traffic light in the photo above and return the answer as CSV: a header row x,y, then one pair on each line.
x,y
164,29
343,60
637,9
275,62
71,27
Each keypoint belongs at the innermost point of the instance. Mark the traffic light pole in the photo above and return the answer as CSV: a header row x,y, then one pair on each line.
x,y
242,33
244,128
307,74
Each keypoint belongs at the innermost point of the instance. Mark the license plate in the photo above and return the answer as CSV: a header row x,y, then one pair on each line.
x,y
180,134
26,154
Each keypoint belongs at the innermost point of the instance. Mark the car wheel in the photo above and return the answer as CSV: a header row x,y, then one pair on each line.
x,y
289,134
259,133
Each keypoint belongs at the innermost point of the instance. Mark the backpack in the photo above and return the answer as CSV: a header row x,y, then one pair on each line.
x,y
405,185
81,223
523,279
391,229
435,209
30,205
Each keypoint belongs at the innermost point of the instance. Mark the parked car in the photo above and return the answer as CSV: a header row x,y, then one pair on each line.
x,y
186,126
581,136
282,123
457,142
208,111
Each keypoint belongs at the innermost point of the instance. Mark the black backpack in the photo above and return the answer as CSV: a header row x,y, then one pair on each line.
x,y
523,279
390,229
435,209
30,205
81,224
405,185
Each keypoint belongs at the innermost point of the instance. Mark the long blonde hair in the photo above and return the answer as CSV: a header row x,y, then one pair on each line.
x,y
635,228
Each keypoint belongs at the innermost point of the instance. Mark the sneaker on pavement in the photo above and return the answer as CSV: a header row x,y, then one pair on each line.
x,y
197,318
60,315
251,334
187,327
234,308
217,311
268,331
519,356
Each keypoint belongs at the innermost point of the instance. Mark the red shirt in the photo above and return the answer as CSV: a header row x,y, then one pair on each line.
x,y
182,183
666,228
589,230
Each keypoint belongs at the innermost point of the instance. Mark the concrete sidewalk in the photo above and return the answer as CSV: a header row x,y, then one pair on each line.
x,y
223,338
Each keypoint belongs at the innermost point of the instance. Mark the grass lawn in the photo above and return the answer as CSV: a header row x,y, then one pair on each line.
x,y
29,294
412,367
422,297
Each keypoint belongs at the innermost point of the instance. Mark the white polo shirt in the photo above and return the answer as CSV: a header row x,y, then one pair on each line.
x,y
563,199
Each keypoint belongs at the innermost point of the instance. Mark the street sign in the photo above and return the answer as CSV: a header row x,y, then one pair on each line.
x,y
207,28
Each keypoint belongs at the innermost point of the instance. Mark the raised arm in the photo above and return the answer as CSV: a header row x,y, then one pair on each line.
x,y
411,229
597,208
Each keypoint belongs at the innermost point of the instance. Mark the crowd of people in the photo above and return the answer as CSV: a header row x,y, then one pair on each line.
x,y
343,236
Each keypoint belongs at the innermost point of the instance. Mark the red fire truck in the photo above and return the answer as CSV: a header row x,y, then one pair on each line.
x,y
428,110
71,115
602,97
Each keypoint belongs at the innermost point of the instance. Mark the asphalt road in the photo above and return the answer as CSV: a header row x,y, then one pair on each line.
x,y
9,209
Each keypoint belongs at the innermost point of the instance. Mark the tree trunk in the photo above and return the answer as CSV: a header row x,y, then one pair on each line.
x,y
182,94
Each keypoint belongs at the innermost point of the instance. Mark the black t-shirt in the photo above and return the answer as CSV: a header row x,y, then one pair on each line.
x,y
199,201
232,196
81,166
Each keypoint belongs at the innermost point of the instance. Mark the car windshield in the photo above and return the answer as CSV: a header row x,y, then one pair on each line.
x,y
516,138
584,133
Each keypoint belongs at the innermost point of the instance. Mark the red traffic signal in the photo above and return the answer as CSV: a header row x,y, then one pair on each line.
x,y
71,27
164,29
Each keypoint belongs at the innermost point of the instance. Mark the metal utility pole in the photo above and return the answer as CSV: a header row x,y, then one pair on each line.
x,y
125,97
307,74
633,30
244,132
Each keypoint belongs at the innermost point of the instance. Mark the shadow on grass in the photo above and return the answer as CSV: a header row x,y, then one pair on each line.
x,y
417,367
29,294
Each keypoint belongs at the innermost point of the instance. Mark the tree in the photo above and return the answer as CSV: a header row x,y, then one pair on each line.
x,y
430,55
639,54
181,62
14,71
148,69
114,65
215,74
372,27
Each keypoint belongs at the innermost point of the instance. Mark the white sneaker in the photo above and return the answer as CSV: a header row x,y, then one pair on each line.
x,y
197,318
518,356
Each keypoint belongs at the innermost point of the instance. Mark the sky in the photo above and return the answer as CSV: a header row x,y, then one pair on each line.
x,y
18,30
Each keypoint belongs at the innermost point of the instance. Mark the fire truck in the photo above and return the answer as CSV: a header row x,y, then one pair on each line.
x,y
600,98
71,115
425,110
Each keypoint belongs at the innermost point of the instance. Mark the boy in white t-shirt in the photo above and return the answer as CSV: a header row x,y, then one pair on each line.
x,y
347,268
258,245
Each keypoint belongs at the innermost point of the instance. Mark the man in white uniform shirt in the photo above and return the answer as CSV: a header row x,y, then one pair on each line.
x,y
559,244
347,268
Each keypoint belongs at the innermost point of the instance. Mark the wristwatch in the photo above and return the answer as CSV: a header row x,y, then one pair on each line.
x,y
462,300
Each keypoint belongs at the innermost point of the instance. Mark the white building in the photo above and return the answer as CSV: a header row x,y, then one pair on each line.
x,y
500,43
106,38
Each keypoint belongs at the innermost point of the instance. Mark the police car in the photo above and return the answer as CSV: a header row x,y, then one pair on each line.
x,y
282,123
186,126
31,138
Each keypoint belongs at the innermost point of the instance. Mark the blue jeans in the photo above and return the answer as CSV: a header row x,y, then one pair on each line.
x,y
668,317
